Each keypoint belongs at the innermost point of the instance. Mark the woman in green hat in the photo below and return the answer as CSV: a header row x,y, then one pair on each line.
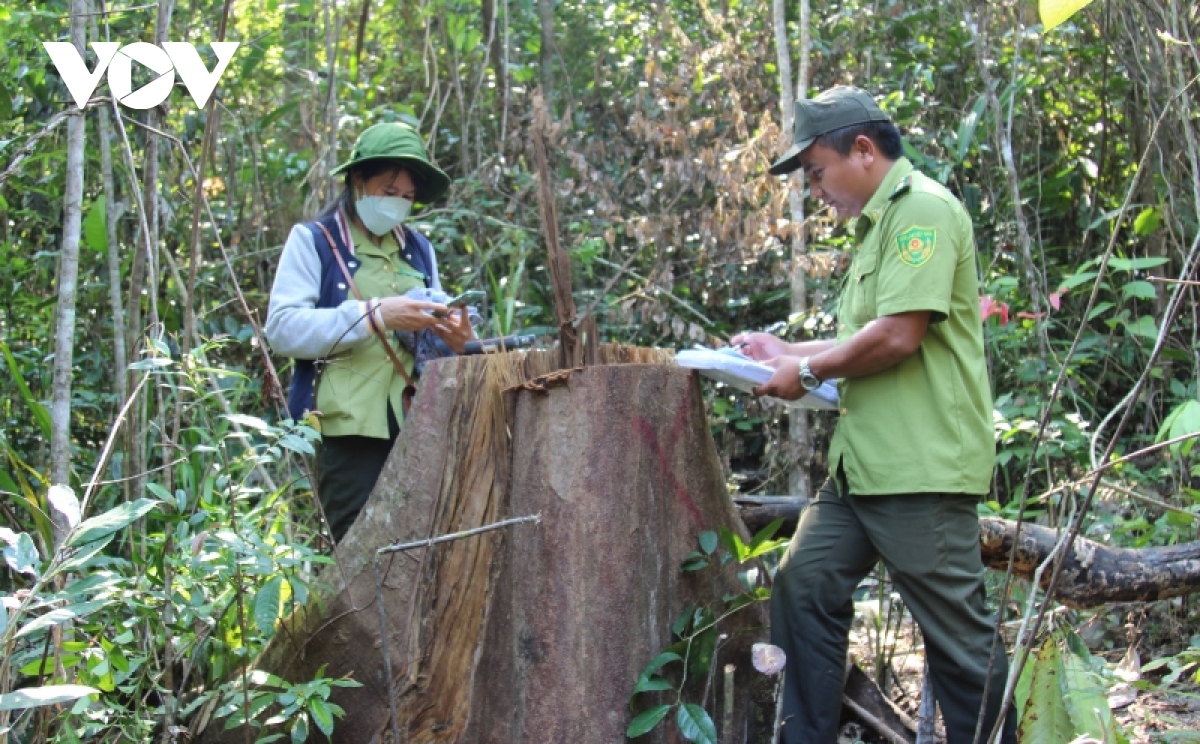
x,y
343,307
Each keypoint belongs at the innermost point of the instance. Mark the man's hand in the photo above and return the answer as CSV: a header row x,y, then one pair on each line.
x,y
455,329
760,346
785,383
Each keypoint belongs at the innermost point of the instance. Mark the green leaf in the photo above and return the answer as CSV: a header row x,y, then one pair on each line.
x,y
40,414
652,684
708,541
1140,290
322,715
266,605
1184,420
299,730
1144,326
81,556
20,552
1045,719
1135,264
1147,221
694,562
734,544
695,724
95,229
647,721
53,617
109,522
34,697
1075,280
660,661
1085,693
1055,12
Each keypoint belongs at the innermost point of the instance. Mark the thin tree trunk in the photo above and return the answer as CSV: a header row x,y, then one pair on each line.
x,y
68,276
799,436
332,34
546,56
112,214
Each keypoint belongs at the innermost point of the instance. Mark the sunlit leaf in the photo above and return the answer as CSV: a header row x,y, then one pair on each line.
x,y
20,552
33,697
1147,221
64,501
109,522
1055,12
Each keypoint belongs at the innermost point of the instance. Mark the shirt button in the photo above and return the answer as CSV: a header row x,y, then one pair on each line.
x,y
843,411
341,286
353,264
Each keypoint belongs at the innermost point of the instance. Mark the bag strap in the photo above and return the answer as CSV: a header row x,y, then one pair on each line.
x,y
370,310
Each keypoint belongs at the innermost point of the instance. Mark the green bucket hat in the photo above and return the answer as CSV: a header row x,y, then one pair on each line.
x,y
395,141
841,106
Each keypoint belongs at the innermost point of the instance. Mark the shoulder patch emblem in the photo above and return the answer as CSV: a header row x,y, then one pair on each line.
x,y
901,188
916,245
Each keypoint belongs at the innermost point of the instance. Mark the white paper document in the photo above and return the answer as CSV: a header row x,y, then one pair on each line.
x,y
740,371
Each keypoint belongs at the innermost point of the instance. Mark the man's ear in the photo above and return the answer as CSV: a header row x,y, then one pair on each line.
x,y
864,148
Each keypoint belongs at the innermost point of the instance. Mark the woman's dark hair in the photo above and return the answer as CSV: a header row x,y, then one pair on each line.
x,y
366,170
884,134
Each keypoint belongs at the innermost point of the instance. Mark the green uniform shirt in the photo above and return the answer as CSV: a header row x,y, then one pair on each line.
x,y
356,386
925,425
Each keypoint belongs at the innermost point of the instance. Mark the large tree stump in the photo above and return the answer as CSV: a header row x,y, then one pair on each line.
x,y
534,633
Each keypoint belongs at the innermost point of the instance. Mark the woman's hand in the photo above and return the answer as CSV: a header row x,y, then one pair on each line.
x,y
407,314
760,346
455,329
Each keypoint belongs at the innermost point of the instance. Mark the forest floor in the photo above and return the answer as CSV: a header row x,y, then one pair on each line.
x,y
1147,711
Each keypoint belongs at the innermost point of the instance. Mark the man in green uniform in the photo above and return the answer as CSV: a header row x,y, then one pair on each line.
x,y
913,450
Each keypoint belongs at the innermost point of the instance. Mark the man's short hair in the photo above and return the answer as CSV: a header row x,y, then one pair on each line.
x,y
884,134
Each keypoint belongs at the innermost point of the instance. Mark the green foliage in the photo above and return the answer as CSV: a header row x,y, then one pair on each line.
x,y
1061,694
212,543
698,631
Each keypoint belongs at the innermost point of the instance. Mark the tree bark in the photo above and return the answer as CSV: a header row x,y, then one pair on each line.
x,y
68,278
799,436
1094,573
538,632
546,55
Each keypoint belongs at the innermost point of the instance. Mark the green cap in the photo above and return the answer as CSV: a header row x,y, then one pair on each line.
x,y
395,141
842,106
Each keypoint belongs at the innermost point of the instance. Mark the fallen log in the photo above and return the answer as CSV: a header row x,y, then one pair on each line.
x,y
1093,573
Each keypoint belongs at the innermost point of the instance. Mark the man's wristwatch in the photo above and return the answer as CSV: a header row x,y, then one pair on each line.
x,y
808,380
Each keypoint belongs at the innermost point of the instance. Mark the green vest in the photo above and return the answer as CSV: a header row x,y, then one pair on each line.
x,y
925,425
357,386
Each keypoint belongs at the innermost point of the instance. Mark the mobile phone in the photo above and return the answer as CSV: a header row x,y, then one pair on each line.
x,y
466,298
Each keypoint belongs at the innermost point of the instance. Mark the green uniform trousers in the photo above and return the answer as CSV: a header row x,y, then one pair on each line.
x,y
930,546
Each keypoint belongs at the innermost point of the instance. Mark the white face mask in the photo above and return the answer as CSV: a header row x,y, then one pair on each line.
x,y
382,214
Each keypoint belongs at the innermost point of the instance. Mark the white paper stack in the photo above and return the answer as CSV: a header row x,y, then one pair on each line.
x,y
740,371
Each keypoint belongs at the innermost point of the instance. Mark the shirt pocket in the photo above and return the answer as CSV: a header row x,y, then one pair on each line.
x,y
864,276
